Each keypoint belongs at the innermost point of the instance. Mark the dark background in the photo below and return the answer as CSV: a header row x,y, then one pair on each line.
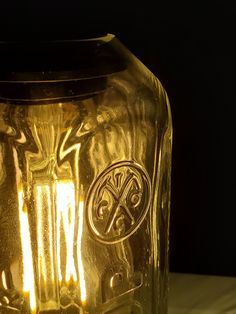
x,y
189,48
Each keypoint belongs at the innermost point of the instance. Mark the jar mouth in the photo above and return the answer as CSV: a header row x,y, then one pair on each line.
x,y
59,60
47,71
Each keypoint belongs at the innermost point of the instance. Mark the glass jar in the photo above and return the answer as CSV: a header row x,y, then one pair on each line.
x,y
85,156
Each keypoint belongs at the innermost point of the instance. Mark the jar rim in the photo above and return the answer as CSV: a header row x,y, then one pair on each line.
x,y
54,60
58,70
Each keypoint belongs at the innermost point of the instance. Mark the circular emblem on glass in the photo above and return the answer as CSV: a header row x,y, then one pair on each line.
x,y
118,201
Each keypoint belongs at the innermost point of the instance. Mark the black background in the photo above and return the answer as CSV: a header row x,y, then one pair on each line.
x,y
189,48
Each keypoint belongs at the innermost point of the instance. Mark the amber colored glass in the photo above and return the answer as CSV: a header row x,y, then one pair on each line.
x,y
85,159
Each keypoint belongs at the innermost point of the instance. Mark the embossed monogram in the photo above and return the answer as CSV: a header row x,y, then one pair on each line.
x,y
118,201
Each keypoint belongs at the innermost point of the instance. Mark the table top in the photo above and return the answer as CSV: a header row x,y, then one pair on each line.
x,y
200,294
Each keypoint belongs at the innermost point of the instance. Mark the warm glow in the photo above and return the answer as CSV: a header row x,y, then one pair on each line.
x,y
28,273
66,209
79,253
45,254
59,213
65,200
40,190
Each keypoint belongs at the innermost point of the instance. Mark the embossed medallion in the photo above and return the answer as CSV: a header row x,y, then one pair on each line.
x,y
118,201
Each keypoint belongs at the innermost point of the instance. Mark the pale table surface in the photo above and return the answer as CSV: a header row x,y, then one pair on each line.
x,y
200,294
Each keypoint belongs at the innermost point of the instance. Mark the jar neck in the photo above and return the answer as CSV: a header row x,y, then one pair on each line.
x,y
60,69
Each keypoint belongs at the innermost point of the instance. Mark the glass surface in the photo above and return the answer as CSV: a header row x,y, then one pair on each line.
x,y
85,160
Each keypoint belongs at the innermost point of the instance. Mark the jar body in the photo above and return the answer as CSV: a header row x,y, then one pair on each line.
x,y
84,192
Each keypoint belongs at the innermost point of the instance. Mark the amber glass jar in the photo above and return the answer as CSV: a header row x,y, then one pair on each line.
x,y
85,157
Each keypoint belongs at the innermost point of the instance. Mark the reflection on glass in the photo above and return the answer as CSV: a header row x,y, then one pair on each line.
x,y
27,260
